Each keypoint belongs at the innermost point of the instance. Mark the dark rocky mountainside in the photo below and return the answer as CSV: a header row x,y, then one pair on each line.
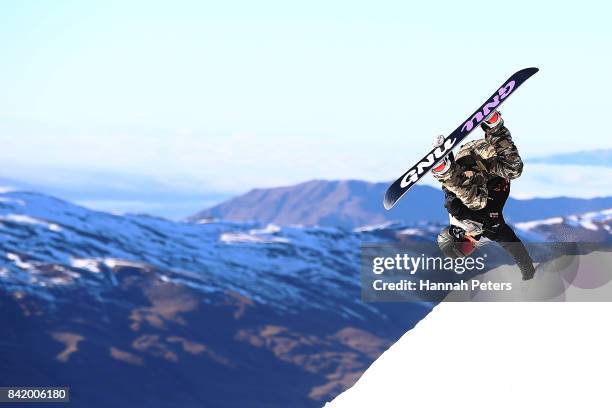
x,y
353,203
140,311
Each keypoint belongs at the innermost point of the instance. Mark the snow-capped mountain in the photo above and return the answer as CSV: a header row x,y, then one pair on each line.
x,y
595,226
184,314
223,313
354,203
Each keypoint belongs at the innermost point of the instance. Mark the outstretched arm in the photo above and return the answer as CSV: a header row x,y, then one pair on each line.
x,y
506,162
499,152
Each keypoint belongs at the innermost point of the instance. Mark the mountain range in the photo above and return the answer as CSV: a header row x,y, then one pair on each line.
x,y
354,203
207,313
166,314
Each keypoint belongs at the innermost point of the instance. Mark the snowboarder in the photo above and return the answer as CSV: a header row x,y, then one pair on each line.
x,y
476,185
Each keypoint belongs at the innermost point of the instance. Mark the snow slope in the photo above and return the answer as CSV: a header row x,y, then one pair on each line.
x,y
496,354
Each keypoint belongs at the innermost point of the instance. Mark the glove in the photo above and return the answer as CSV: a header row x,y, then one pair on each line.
x,y
493,122
443,167
438,141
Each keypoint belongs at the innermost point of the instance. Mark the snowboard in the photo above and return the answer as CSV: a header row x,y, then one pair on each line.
x,y
416,172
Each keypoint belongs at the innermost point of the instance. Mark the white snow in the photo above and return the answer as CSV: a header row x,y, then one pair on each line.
x,y
240,237
603,215
18,261
10,200
374,227
265,235
504,354
580,222
113,262
206,220
494,355
586,220
532,224
411,231
26,219
91,265
269,229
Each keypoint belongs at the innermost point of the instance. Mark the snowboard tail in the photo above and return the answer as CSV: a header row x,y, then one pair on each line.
x,y
416,172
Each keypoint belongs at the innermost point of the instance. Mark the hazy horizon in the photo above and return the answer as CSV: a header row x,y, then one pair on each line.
x,y
161,106
149,196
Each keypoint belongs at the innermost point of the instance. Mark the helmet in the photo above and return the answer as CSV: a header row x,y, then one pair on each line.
x,y
492,122
454,243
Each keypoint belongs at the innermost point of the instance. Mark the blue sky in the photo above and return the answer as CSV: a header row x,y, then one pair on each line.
x,y
206,99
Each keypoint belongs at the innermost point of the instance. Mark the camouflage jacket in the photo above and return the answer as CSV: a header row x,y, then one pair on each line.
x,y
479,161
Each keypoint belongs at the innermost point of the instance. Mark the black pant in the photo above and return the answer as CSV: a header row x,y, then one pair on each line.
x,y
505,236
